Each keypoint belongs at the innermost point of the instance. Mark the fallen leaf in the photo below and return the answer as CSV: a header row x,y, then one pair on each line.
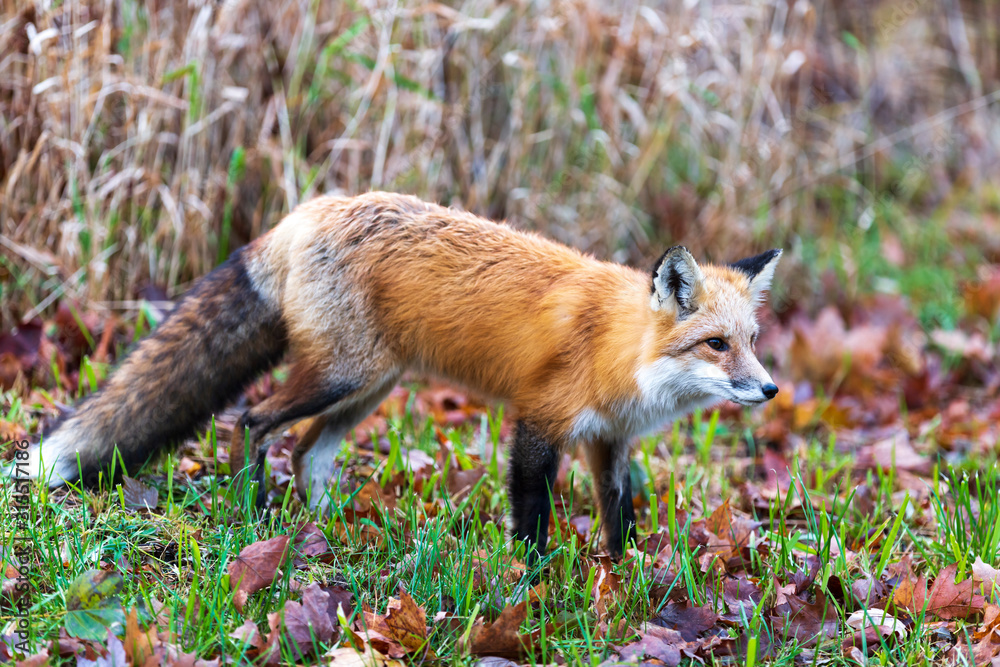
x,y
808,622
868,591
607,584
987,646
687,620
304,623
339,597
40,659
407,622
309,541
188,466
139,645
137,494
248,634
346,656
741,596
870,639
494,661
503,638
894,453
92,605
663,646
949,600
985,577
879,619
114,655
911,594
461,482
255,568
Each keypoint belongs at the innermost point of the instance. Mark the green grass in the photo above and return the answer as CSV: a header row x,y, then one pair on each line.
x,y
441,549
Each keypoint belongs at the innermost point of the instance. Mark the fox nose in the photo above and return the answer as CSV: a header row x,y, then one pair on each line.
x,y
770,390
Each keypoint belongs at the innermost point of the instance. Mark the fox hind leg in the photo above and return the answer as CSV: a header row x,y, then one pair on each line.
x,y
534,462
306,393
609,465
314,456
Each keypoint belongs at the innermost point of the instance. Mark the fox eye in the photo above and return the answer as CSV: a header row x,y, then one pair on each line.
x,y
717,344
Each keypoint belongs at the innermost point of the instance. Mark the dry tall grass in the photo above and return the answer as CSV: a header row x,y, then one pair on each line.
x,y
142,141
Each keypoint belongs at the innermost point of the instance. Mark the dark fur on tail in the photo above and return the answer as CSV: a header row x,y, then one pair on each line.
x,y
216,341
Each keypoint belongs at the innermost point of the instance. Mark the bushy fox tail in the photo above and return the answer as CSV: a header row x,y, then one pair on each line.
x,y
218,338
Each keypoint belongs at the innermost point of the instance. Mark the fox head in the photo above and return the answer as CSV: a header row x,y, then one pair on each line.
x,y
706,328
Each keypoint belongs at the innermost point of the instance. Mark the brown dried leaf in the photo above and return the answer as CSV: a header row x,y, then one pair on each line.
x,y
139,645
346,656
910,594
868,591
188,466
607,583
949,600
339,597
894,453
502,638
309,541
137,494
407,622
808,622
40,659
248,634
663,645
741,593
687,620
255,568
986,578
461,482
309,622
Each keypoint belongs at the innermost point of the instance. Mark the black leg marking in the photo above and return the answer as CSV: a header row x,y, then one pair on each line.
x,y
619,514
614,491
534,462
298,399
261,500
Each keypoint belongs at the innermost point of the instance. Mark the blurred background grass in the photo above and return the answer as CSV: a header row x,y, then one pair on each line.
x,y
141,142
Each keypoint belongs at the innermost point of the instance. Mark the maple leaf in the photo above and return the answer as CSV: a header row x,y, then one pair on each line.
x,y
741,595
503,637
910,594
987,636
407,622
949,600
728,536
402,630
248,634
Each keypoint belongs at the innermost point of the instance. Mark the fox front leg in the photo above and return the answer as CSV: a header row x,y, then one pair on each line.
x,y
534,462
609,463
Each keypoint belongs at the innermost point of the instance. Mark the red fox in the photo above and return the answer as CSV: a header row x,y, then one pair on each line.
x,y
355,290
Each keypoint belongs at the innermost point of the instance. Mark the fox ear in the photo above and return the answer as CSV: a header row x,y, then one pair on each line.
x,y
677,282
760,270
